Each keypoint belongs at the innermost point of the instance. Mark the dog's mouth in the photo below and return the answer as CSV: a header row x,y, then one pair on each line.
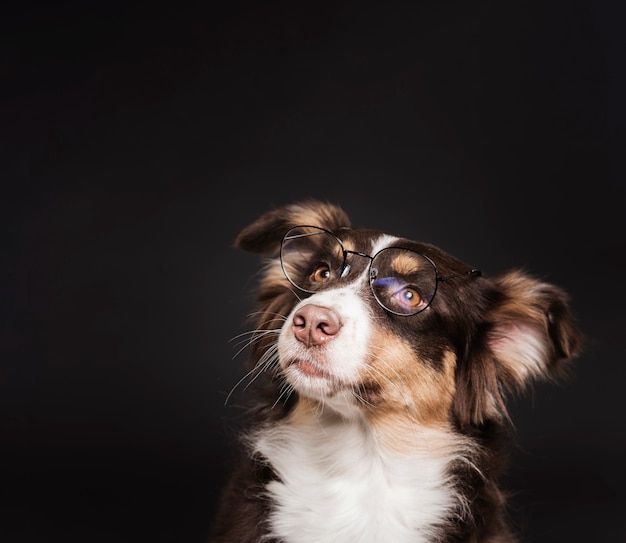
x,y
310,369
309,375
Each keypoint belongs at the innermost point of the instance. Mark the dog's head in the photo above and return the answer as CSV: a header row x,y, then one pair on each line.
x,y
375,325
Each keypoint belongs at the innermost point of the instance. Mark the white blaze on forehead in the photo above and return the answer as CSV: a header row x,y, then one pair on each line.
x,y
383,241
379,244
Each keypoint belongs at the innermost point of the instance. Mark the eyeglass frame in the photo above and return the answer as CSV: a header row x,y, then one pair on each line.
x,y
473,272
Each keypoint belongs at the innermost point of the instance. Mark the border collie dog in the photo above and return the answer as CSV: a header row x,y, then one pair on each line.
x,y
382,367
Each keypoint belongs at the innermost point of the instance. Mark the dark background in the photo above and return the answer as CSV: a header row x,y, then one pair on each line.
x,y
137,139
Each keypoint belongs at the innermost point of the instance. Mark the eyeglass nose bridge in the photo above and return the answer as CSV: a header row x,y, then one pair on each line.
x,y
358,253
346,267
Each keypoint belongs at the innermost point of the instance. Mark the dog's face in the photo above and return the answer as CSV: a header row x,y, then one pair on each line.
x,y
387,328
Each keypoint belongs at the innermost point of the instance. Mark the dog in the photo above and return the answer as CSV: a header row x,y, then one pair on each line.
x,y
383,365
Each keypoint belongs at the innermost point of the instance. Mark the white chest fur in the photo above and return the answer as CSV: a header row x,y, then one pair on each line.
x,y
337,484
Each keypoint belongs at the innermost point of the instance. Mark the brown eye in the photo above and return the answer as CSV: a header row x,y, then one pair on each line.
x,y
408,297
321,274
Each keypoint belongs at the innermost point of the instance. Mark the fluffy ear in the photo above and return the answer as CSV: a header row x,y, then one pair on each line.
x,y
529,335
264,235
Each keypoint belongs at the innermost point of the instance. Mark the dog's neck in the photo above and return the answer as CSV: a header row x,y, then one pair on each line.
x,y
339,468
401,434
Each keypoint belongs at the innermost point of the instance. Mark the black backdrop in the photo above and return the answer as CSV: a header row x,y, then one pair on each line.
x,y
139,138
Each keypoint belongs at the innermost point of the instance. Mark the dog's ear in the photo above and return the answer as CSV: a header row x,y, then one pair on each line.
x,y
528,335
264,235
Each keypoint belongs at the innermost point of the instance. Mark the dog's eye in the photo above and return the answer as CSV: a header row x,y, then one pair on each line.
x,y
408,297
321,274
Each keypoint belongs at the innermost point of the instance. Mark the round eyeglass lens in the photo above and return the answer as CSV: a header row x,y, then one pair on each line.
x,y
311,257
403,281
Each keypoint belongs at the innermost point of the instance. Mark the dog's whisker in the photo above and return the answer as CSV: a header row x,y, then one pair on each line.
x,y
320,409
243,344
267,359
287,389
253,333
232,390
258,370
396,382
256,332
279,316
297,296
254,337
356,392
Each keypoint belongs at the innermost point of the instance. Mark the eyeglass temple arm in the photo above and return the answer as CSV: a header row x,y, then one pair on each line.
x,y
474,272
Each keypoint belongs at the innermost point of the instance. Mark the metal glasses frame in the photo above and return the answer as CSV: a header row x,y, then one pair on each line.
x,y
474,272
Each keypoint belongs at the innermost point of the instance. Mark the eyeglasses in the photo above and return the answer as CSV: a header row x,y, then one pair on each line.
x,y
403,282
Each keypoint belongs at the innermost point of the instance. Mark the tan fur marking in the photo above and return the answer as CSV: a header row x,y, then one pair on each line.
x,y
338,253
405,264
317,214
412,392
348,245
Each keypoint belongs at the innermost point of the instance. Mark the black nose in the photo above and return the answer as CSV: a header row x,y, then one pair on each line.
x,y
314,325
